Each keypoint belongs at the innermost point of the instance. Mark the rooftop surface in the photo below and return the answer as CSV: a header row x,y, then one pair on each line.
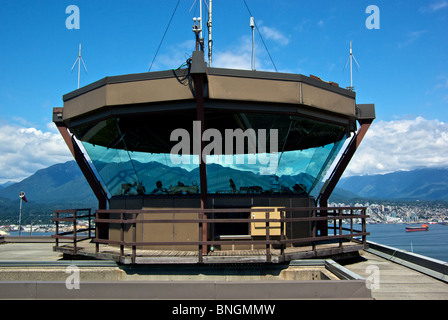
x,y
397,282
389,280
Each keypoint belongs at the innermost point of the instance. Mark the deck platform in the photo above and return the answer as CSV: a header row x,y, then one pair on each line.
x,y
108,252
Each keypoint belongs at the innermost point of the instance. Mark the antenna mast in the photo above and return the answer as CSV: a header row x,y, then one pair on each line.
x,y
210,41
200,17
197,29
351,58
79,60
252,25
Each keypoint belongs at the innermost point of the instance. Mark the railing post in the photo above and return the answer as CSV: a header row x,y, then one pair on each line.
x,y
268,246
201,237
314,223
364,237
57,228
97,244
282,234
334,222
134,240
351,224
121,235
340,227
204,232
75,247
90,223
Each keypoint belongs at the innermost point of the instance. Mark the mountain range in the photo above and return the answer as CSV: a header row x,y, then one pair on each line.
x,y
430,184
218,176
63,186
59,183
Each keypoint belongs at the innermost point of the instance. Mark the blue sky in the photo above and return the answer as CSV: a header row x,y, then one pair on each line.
x,y
403,65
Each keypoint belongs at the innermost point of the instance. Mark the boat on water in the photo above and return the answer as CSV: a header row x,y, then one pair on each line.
x,y
423,227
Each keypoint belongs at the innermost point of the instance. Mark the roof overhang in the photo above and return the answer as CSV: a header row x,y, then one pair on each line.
x,y
224,89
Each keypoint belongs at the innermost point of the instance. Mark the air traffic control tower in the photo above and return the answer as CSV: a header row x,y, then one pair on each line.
x,y
208,165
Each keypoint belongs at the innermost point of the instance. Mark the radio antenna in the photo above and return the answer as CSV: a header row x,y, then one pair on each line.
x,y
252,25
197,28
351,58
210,40
79,60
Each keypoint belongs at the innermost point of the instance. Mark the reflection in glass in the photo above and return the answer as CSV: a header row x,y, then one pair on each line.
x,y
136,173
133,155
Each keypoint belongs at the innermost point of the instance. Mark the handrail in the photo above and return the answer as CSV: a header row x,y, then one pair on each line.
x,y
332,213
74,234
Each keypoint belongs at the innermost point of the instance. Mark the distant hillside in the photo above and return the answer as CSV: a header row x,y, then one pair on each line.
x,y
59,183
422,184
6,184
218,176
64,183
63,186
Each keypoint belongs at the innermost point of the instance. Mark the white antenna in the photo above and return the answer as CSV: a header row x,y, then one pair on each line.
x,y
210,41
79,59
200,16
252,25
351,58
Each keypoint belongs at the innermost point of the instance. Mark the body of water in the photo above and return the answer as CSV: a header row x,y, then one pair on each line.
x,y
27,234
432,243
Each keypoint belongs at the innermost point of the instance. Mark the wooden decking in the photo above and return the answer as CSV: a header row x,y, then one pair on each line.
x,y
320,233
88,249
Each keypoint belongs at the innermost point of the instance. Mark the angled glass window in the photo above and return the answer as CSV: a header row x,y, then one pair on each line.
x,y
245,153
304,150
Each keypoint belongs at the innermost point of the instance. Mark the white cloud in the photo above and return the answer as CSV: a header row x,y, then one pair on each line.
x,y
439,91
230,59
439,5
274,34
240,57
237,57
443,84
401,145
176,55
411,37
24,150
435,6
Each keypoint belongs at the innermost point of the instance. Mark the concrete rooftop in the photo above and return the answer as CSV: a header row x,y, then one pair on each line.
x,y
394,282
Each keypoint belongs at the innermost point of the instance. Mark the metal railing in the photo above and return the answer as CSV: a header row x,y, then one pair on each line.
x,y
126,219
77,233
